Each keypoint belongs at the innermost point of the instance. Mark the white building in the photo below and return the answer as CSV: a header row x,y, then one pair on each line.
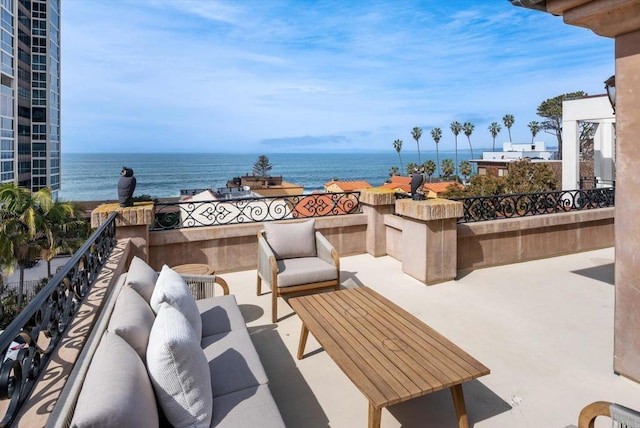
x,y
511,151
596,110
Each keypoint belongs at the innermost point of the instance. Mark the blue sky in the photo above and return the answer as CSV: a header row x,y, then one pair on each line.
x,y
311,76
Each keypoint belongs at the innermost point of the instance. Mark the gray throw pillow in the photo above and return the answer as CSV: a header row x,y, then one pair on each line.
x,y
179,370
141,277
290,240
116,391
132,319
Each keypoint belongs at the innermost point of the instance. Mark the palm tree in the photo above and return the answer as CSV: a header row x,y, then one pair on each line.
x,y
21,228
397,144
468,128
534,126
508,121
393,171
494,129
411,167
447,168
429,168
465,169
29,224
436,134
456,128
64,230
416,133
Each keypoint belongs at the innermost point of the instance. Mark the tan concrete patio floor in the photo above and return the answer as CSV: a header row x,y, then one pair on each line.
x,y
544,328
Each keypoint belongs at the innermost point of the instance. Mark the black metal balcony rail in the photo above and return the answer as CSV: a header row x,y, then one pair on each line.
x,y
28,341
483,208
176,215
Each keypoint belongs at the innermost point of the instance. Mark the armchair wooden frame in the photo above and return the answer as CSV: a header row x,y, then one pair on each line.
x,y
590,412
268,271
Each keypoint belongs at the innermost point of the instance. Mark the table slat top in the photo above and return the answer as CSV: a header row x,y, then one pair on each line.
x,y
389,354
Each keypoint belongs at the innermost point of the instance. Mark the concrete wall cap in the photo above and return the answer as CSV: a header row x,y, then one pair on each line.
x,y
430,209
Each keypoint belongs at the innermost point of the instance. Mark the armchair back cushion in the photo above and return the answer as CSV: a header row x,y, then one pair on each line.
x,y
291,240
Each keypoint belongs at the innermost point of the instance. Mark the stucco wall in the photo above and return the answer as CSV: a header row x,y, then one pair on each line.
x,y
235,247
501,242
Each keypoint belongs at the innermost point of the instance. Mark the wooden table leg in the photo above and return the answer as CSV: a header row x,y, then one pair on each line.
x,y
458,403
375,414
303,341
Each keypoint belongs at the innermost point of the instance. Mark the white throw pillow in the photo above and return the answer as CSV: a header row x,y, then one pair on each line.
x,y
171,288
179,371
141,277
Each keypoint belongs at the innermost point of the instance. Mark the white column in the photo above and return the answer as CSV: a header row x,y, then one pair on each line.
x,y
570,155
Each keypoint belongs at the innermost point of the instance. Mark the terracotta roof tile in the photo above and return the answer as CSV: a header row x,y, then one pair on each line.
x,y
349,185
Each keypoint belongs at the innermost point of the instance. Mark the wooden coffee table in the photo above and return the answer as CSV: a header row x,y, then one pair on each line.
x,y
390,355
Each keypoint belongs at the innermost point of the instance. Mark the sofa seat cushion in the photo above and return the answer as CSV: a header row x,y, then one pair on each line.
x,y
171,288
304,271
219,315
291,239
178,370
116,380
132,319
234,363
251,407
141,277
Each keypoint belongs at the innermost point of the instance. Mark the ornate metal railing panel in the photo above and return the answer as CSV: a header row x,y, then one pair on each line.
x,y
249,210
483,208
27,342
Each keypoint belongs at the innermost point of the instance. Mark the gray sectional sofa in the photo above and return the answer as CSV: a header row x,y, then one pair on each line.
x,y
158,357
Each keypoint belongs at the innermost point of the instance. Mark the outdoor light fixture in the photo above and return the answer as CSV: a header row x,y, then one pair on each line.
x,y
610,86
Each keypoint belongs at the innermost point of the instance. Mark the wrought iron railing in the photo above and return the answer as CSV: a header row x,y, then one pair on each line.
x,y
483,208
28,341
248,210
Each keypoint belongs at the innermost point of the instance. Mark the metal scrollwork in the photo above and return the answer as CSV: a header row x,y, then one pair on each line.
x,y
250,210
26,344
483,208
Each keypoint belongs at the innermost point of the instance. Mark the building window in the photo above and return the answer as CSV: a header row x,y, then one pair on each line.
x,y
502,172
482,170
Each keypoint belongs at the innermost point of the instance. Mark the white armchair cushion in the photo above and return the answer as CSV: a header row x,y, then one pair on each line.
x,y
290,240
172,289
179,370
141,278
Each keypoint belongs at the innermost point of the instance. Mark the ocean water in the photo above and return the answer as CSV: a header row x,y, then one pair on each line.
x,y
90,176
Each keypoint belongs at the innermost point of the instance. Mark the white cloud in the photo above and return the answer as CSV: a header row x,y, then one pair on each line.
x,y
194,75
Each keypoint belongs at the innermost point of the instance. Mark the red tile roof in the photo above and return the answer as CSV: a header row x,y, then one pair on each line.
x,y
348,186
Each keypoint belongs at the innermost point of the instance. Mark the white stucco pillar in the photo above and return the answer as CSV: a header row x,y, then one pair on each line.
x,y
604,152
570,153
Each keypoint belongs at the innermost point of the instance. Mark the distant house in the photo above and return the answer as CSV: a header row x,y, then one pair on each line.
x,y
434,190
266,185
335,186
398,184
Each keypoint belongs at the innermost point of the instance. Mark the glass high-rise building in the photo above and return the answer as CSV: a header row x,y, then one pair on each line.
x,y
30,93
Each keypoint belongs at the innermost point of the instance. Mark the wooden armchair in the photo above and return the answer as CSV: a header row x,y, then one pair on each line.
x,y
294,258
623,416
